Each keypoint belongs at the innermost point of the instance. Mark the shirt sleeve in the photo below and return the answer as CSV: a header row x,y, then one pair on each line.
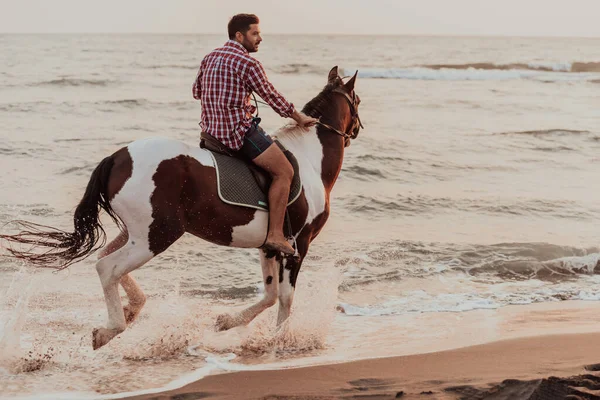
x,y
258,81
197,88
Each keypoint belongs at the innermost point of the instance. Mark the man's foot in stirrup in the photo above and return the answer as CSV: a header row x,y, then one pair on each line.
x,y
280,245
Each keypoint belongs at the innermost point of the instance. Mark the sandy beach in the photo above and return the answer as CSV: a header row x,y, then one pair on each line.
x,y
522,368
512,369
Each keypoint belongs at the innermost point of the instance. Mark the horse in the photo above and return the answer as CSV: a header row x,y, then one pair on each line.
x,y
156,189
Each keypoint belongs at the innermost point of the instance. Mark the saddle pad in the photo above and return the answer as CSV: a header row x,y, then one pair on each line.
x,y
236,183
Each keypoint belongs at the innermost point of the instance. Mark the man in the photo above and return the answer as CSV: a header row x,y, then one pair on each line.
x,y
226,79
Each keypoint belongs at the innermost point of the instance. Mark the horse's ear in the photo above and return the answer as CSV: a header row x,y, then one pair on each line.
x,y
333,75
350,84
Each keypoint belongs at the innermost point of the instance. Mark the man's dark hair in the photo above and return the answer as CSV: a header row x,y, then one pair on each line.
x,y
241,23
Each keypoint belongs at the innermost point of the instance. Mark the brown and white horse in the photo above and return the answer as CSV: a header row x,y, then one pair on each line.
x,y
157,189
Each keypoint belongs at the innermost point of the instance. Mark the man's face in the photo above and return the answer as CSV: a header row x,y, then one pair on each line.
x,y
251,39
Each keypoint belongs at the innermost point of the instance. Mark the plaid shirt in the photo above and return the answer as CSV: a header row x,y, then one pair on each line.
x,y
227,77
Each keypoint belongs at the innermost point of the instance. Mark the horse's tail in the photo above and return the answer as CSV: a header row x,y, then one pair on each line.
x,y
63,248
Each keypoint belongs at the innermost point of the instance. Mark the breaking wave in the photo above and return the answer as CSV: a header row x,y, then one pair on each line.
x,y
541,71
66,82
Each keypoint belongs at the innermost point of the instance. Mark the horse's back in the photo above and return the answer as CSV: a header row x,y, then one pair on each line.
x,y
143,164
148,153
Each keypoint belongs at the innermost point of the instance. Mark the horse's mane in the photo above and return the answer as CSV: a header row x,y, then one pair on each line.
x,y
321,104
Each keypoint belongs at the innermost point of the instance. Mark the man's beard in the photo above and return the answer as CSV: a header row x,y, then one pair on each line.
x,y
249,46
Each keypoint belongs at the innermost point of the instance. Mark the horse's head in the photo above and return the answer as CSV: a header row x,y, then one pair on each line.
x,y
337,107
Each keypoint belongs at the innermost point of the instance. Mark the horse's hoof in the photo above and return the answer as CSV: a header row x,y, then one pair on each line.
x,y
224,322
130,313
101,336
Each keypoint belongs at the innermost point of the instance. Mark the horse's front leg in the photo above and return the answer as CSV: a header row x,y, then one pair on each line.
x,y
287,287
270,270
290,268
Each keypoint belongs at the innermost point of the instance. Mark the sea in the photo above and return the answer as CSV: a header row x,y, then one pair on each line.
x,y
472,190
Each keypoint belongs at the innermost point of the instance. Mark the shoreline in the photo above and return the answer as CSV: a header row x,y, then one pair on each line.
x,y
467,370
485,347
525,349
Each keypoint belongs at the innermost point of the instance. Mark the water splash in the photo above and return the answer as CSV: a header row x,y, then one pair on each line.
x,y
13,312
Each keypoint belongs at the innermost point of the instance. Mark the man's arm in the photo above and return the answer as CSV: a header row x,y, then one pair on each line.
x,y
197,89
259,83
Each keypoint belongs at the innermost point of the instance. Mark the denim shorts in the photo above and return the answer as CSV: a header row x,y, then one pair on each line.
x,y
256,141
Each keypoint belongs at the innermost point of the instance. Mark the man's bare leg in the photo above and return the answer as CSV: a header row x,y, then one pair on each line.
x,y
276,164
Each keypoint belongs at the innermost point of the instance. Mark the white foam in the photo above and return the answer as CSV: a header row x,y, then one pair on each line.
x,y
559,67
11,321
587,262
420,301
490,296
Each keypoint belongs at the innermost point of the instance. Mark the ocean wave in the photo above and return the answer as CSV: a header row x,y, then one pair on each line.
x,y
420,301
511,273
381,207
115,105
585,67
15,211
504,260
299,68
364,173
104,105
553,149
17,152
423,302
554,140
378,157
544,72
129,103
526,268
65,82
546,132
575,67
24,107
171,66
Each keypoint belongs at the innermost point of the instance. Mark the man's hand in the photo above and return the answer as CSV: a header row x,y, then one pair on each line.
x,y
303,120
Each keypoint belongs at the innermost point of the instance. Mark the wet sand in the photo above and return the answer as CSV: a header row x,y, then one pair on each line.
x,y
523,368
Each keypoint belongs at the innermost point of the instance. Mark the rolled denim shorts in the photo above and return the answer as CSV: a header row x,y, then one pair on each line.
x,y
256,141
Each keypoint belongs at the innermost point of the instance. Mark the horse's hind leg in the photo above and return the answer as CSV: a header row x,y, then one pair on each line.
x,y
115,244
136,296
111,269
270,270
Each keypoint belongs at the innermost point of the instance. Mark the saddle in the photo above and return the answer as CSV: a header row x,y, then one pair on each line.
x,y
243,183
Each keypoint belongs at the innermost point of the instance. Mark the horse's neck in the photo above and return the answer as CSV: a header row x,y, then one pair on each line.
x,y
312,149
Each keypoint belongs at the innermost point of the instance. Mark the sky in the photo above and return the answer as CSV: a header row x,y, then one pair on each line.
x,y
430,17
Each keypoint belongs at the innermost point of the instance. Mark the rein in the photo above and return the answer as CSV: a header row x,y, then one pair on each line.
x,y
353,111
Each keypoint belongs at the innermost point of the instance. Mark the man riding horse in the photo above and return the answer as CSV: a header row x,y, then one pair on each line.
x,y
226,79
156,189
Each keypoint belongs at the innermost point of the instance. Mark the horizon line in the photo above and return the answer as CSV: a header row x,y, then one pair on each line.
x,y
494,35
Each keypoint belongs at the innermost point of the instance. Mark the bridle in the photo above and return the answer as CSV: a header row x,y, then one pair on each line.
x,y
355,125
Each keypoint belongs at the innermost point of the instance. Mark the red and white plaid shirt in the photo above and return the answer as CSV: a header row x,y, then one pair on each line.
x,y
227,77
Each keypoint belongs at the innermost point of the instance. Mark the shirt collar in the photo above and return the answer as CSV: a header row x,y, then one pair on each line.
x,y
237,45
